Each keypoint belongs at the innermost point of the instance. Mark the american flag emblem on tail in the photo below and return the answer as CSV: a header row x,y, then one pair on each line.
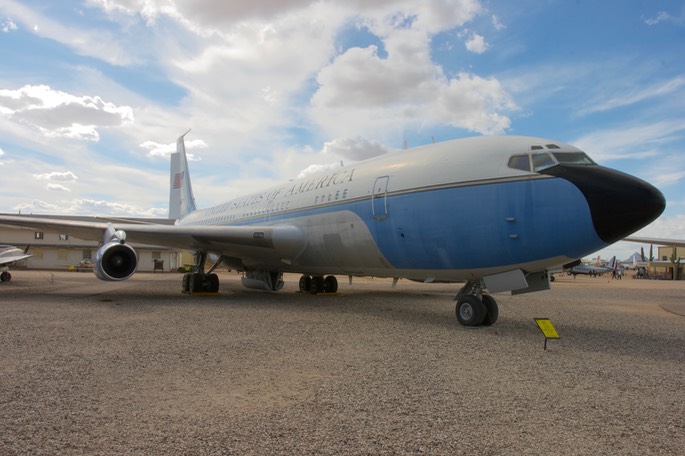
x,y
178,179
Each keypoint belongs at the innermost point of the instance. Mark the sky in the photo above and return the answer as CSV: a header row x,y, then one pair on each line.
x,y
94,93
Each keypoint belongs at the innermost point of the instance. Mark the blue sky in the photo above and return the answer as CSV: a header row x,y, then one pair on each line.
x,y
93,93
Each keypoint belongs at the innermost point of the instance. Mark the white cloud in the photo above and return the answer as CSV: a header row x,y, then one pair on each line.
x,y
355,149
641,93
59,114
362,92
629,141
316,169
476,44
663,16
8,25
58,187
164,150
95,42
497,24
59,176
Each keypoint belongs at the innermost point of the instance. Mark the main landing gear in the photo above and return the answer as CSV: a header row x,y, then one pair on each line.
x,y
201,281
474,308
318,284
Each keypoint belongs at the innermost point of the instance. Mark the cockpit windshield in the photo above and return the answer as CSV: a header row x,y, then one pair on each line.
x,y
573,158
538,161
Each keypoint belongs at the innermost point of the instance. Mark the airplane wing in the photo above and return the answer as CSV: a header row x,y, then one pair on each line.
x,y
659,241
12,259
258,243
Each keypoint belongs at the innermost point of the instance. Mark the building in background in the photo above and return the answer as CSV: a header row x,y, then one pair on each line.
x,y
54,250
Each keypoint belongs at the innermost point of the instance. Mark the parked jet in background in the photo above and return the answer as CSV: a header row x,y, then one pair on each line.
x,y
9,255
495,212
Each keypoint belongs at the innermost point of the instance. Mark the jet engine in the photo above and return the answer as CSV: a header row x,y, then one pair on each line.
x,y
263,280
115,261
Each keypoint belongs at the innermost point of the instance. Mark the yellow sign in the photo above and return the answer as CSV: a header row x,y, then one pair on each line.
x,y
547,328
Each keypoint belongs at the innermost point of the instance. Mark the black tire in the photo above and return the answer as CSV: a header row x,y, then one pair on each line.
x,y
195,284
305,283
330,284
5,276
492,310
185,284
470,310
213,283
316,286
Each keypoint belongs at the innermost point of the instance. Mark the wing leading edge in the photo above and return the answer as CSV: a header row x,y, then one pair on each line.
x,y
256,243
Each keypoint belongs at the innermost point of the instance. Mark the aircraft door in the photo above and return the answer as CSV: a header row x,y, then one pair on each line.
x,y
379,198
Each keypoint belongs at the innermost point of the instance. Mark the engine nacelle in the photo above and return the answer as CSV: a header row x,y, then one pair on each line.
x,y
263,280
115,261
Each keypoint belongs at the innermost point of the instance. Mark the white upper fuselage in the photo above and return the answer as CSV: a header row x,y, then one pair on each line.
x,y
464,161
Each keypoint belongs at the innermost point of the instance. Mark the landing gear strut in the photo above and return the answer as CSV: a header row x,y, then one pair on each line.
x,y
474,308
318,284
201,281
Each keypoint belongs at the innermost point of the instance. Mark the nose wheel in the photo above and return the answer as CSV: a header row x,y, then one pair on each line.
x,y
475,310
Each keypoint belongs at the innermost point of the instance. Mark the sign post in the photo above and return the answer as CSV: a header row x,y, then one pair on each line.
x,y
547,329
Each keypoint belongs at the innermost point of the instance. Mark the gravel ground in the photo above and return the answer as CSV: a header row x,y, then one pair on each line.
x,y
138,368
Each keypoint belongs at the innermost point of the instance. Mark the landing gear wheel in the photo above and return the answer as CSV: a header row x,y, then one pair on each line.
x,y
330,284
195,284
5,277
317,285
185,285
492,310
305,283
213,283
470,310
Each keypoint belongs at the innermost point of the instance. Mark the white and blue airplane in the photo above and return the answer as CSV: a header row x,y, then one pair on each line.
x,y
494,212
9,255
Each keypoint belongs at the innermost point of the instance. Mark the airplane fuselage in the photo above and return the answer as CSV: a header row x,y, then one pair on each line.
x,y
442,212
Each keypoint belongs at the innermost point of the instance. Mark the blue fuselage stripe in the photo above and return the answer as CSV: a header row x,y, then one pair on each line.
x,y
470,227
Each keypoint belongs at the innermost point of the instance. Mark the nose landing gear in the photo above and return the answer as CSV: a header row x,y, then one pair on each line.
x,y
474,308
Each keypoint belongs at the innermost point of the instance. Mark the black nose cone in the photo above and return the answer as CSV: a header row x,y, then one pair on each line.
x,y
620,204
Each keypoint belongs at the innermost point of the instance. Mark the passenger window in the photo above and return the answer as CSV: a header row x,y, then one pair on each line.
x,y
521,162
542,161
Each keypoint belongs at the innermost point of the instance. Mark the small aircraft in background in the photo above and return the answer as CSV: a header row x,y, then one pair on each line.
x,y
593,270
9,255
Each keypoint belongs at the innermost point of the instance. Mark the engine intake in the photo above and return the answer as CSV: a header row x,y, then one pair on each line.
x,y
115,261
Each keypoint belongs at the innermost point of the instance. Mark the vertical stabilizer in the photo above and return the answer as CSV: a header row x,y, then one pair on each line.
x,y
181,199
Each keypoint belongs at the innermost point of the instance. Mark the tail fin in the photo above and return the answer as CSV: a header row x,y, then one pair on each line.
x,y
613,264
181,199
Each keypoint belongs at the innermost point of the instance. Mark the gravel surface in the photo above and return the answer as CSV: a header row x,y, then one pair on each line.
x,y
136,367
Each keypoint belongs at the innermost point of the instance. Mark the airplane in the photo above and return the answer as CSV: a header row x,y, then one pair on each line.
x,y
593,270
494,212
9,255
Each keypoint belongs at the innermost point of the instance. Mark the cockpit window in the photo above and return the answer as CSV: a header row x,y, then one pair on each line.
x,y
573,158
542,161
521,162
